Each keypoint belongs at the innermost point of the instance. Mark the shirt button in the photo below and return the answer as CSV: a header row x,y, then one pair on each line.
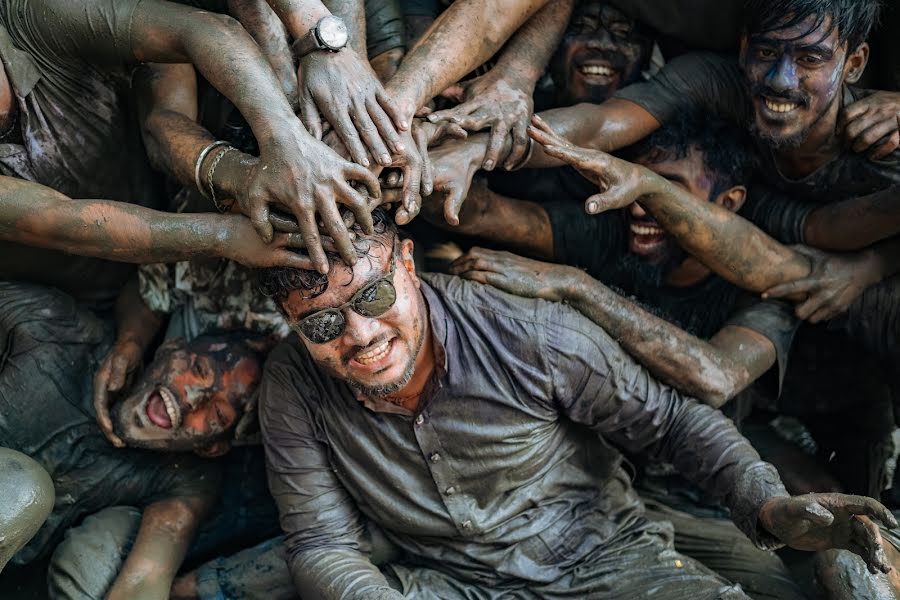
x,y
435,457
450,491
420,419
467,524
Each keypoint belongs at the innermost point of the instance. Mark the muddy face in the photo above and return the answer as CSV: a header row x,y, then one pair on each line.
x,y
190,397
795,76
601,52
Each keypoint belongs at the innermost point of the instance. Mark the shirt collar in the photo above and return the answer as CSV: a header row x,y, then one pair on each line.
x,y
20,66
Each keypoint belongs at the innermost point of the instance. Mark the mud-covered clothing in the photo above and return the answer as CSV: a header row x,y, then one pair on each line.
x,y
714,84
689,24
385,29
69,63
494,483
53,348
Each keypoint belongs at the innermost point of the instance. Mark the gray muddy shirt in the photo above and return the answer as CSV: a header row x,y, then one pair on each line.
x,y
79,132
501,474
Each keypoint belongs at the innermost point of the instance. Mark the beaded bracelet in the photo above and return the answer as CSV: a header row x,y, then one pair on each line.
x,y
199,165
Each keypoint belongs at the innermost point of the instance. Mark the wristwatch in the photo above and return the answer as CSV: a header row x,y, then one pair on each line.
x,y
330,34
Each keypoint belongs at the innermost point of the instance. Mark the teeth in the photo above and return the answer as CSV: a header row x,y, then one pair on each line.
x,y
171,409
645,230
781,107
375,354
597,70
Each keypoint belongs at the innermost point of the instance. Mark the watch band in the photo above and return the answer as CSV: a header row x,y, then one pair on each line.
x,y
308,43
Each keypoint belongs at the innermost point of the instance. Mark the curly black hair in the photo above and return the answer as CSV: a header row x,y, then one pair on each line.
x,y
727,149
279,282
853,19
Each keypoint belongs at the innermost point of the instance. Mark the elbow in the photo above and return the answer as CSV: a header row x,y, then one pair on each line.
x,y
717,388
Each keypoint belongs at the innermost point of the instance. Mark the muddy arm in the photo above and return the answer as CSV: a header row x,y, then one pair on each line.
x,y
167,528
856,223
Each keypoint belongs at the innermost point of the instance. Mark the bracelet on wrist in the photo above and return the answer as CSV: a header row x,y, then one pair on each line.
x,y
199,164
221,206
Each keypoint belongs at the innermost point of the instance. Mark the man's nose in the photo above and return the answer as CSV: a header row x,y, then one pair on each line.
x,y
359,330
783,76
636,211
601,40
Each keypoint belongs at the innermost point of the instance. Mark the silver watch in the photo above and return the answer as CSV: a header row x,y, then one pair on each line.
x,y
330,34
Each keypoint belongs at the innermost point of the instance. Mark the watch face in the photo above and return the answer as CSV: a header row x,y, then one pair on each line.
x,y
332,32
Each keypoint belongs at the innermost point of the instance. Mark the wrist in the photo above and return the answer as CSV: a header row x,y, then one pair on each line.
x,y
232,174
576,285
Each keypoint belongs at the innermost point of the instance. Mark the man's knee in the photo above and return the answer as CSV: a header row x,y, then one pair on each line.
x,y
86,562
26,500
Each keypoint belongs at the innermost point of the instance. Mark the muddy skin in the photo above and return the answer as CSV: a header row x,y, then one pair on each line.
x,y
502,99
598,36
841,575
796,76
26,500
190,397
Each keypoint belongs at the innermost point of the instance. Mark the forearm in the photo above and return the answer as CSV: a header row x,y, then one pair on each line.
x,y
35,215
353,13
167,528
722,240
525,57
854,224
269,32
135,321
452,47
674,356
224,53
339,574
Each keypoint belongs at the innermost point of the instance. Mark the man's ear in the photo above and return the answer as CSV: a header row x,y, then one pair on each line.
x,y
856,63
213,450
408,260
732,198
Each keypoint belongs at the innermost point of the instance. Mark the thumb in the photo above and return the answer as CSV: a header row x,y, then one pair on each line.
x,y
818,514
259,217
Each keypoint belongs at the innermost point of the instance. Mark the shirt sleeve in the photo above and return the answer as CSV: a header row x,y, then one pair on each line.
x,y
582,240
326,546
599,385
385,29
98,31
774,320
699,81
780,216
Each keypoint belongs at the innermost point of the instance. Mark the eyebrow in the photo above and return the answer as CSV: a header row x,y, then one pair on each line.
x,y
810,48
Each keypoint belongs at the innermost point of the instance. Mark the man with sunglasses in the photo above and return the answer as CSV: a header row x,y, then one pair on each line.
x,y
473,428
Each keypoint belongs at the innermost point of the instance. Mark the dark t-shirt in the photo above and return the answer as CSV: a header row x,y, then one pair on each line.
x,y
69,65
712,83
53,348
696,24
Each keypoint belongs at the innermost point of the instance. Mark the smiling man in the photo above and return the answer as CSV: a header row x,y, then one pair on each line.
x,y
468,426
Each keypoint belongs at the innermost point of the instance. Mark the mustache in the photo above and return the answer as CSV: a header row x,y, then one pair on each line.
x,y
794,96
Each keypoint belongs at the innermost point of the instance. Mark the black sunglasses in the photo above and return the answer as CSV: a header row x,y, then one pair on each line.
x,y
371,301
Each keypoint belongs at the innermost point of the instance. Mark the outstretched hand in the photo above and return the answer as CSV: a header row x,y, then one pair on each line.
x,y
621,183
836,280
823,521
517,275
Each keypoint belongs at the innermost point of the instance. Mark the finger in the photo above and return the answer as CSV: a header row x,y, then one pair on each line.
x,y
826,313
309,115
495,146
369,133
818,515
790,288
856,110
569,155
344,127
101,406
453,204
448,114
473,122
259,218
544,128
310,232
391,195
873,134
358,206
454,131
811,305
519,135
868,537
886,147
295,260
412,179
283,223
360,174
386,131
427,185
869,507
606,201
117,373
392,109
334,225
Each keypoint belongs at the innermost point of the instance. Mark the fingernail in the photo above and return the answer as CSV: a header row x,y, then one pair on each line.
x,y
404,125
592,207
400,147
488,165
385,159
364,162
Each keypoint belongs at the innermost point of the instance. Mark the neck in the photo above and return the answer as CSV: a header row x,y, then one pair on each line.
x,y
821,145
689,273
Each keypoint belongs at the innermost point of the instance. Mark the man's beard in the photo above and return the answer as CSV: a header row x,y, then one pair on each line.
x,y
790,142
637,276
